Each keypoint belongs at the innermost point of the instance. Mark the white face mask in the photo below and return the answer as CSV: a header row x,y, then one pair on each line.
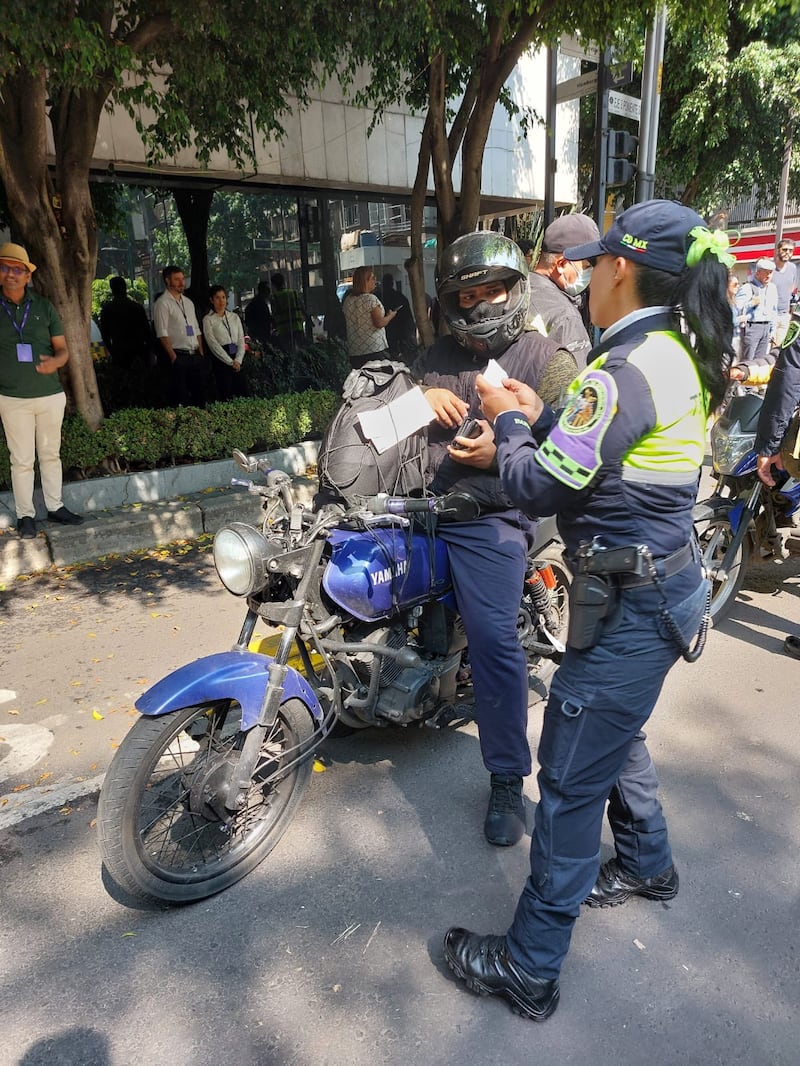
x,y
581,282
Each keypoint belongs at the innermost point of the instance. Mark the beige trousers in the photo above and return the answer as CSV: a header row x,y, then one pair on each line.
x,y
33,428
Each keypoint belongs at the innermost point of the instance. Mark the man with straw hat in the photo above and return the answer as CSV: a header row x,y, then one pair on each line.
x,y
32,401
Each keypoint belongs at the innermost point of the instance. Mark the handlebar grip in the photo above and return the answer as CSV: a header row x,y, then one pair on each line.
x,y
383,503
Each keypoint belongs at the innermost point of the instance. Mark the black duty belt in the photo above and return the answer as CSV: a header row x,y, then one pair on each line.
x,y
667,566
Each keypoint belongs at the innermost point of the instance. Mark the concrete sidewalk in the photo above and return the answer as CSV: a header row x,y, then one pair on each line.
x,y
143,510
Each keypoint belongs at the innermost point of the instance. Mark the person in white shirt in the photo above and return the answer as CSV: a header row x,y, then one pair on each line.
x,y
757,306
224,337
366,319
178,331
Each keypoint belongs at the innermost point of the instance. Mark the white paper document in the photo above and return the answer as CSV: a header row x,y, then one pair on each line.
x,y
397,420
494,373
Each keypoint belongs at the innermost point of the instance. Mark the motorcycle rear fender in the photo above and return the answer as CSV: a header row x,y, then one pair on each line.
x,y
227,675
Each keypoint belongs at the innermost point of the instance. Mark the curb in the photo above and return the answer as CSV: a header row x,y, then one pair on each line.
x,y
142,520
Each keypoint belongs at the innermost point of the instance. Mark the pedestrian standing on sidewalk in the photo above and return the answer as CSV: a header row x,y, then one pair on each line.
x,y
179,332
619,467
32,400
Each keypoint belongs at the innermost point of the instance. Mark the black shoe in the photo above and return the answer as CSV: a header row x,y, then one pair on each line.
x,y
65,517
613,886
792,646
505,816
485,966
26,527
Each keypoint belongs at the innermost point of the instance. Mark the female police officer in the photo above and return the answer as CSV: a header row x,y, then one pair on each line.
x,y
620,467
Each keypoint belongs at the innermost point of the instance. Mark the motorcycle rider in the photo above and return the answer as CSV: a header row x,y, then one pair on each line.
x,y
780,402
483,293
624,476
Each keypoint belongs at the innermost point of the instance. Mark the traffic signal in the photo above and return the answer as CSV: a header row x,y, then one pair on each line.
x,y
620,167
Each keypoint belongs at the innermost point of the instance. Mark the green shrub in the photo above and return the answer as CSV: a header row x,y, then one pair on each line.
x,y
141,439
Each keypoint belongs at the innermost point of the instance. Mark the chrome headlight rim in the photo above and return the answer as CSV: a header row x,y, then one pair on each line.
x,y
241,557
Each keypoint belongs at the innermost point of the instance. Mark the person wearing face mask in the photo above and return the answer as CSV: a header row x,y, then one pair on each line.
x,y
482,287
556,285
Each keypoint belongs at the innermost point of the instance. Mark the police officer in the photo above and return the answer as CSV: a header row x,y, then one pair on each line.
x,y
620,468
483,294
780,403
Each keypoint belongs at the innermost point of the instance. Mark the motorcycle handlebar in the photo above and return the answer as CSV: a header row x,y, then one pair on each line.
x,y
456,506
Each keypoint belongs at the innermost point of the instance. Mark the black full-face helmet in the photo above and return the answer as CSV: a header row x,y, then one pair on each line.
x,y
478,259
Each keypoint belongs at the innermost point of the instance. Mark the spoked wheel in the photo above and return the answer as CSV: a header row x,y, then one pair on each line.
x,y
163,832
530,632
715,536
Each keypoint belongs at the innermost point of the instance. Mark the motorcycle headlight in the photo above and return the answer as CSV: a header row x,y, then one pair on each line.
x,y
728,447
241,555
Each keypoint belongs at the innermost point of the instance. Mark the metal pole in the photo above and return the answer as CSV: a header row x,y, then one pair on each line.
x,y
787,158
651,107
550,146
600,144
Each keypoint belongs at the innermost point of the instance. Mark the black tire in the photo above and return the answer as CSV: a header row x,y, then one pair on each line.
x,y
153,845
541,668
715,534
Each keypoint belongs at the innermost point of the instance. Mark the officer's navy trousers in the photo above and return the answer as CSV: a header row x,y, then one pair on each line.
x,y
487,564
592,750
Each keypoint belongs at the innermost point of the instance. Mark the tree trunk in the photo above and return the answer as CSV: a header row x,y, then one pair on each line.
x,y
416,273
52,211
194,208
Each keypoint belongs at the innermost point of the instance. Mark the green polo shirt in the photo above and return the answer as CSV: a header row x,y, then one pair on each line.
x,y
21,379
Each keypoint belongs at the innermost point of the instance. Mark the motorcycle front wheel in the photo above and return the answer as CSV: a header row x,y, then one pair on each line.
x,y
157,839
715,536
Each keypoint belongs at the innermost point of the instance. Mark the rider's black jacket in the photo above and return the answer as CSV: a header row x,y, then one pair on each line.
x,y
782,397
531,358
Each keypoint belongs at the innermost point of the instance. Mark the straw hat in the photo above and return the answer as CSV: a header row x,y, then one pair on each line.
x,y
17,254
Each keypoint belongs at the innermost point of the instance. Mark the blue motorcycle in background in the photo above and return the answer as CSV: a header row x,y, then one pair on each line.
x,y
743,519
207,780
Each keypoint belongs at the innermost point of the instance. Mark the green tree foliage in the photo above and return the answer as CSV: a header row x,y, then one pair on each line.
x,y
730,104
210,78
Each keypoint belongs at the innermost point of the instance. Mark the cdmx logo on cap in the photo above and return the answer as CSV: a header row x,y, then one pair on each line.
x,y
636,244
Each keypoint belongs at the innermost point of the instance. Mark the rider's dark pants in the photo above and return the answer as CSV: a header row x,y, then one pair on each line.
x,y
591,750
487,563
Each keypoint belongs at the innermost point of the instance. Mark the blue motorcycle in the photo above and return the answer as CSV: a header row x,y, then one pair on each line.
x,y
207,780
743,519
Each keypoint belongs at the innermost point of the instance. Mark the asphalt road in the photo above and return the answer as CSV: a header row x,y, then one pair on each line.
x,y
330,952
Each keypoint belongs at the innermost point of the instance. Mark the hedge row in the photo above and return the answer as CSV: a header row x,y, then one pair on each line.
x,y
142,439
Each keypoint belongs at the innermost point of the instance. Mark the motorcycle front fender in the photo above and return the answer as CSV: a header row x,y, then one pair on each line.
x,y
227,675
713,507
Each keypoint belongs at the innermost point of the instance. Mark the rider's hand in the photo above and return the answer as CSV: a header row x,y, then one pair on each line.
x,y
737,373
475,451
513,396
763,464
448,408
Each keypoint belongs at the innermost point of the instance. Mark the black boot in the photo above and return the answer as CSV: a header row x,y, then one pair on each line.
x,y
505,816
485,966
613,886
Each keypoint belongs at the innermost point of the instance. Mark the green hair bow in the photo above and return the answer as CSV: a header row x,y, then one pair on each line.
x,y
706,240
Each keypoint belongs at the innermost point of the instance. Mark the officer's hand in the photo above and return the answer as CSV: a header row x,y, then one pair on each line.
x,y
763,464
511,396
475,451
447,407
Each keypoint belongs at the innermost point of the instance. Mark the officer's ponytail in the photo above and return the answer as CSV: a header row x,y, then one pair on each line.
x,y
700,295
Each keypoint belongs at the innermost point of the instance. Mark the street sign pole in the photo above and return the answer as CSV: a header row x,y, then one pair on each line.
x,y
550,143
600,143
651,106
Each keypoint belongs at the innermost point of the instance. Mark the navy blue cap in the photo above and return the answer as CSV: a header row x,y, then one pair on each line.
x,y
654,233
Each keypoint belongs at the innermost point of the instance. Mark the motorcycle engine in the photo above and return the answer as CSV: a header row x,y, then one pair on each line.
x,y
404,694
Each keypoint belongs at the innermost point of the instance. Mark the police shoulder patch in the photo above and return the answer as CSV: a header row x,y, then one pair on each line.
x,y
571,452
792,334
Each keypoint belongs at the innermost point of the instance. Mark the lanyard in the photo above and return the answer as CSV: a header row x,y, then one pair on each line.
x,y
19,327
227,327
